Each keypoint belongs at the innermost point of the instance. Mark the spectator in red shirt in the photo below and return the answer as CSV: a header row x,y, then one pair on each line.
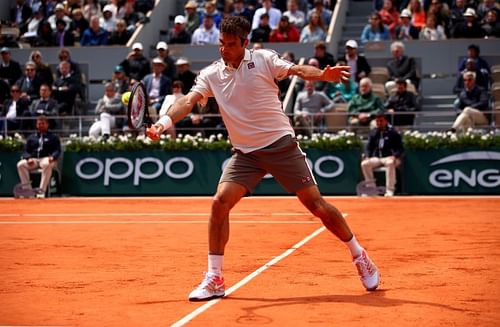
x,y
285,32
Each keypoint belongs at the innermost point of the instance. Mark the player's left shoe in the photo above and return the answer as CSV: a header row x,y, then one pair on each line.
x,y
368,272
211,287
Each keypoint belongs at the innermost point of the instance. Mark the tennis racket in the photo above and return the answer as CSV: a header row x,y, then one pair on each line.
x,y
138,108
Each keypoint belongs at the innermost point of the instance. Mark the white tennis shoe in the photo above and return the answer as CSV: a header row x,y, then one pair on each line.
x,y
368,272
211,287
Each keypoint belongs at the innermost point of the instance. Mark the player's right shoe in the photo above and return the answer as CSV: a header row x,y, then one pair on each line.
x,y
211,287
368,272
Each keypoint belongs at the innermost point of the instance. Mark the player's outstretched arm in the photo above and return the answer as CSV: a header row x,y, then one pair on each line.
x,y
330,74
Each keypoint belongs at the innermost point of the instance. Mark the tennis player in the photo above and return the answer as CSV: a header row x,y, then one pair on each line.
x,y
243,83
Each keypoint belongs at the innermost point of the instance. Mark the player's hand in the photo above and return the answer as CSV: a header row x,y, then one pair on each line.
x,y
154,132
336,73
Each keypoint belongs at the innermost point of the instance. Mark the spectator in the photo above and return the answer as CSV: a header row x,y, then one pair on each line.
x,y
62,37
185,74
375,30
384,148
310,107
390,16
157,85
241,9
457,12
418,15
65,55
178,33
65,89
45,105
486,6
358,63
107,108
285,32
192,18
10,70
207,33
120,35
431,31
267,8
136,65
20,14
365,105
295,16
344,91
131,17
78,24
211,10
29,83
163,52
482,78
107,21
402,105
13,109
42,149
201,119
470,28
473,51
94,35
32,27
314,31
324,13
401,66
44,36
491,26
59,13
442,13
120,81
144,6
319,85
324,57
471,105
405,30
91,8
262,32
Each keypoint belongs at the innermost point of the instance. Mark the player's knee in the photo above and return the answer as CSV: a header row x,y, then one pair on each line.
x,y
316,205
220,204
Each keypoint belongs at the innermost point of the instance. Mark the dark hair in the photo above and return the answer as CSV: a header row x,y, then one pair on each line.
x,y
236,25
474,47
178,83
400,81
42,117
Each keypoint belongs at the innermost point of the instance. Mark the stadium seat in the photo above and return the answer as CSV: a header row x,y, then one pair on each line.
x,y
379,75
335,122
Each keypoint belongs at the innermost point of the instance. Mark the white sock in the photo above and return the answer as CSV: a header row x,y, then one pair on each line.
x,y
215,264
354,247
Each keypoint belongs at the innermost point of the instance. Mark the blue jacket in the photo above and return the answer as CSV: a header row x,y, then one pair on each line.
x,y
42,145
91,38
165,85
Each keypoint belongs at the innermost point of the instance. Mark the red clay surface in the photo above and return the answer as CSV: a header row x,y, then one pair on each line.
x,y
132,262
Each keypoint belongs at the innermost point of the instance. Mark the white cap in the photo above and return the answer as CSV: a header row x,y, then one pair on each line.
x,y
182,61
107,8
161,45
405,13
180,19
137,45
158,61
470,12
59,6
352,44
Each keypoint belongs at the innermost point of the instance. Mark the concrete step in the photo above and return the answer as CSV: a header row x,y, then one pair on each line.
x,y
438,100
360,8
354,25
438,107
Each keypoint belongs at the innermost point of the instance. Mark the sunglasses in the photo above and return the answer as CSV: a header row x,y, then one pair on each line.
x,y
15,91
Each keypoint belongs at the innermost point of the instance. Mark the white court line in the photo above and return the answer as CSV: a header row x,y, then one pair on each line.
x,y
247,279
118,214
139,222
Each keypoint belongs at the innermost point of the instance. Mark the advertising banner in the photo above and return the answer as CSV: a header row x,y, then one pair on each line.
x,y
8,172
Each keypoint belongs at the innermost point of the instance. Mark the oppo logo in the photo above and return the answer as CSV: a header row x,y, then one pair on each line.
x,y
445,178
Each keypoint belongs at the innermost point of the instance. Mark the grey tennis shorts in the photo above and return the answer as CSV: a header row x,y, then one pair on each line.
x,y
283,159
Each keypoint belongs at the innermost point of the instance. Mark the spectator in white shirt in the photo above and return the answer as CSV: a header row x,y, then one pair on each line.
x,y
274,15
296,17
207,33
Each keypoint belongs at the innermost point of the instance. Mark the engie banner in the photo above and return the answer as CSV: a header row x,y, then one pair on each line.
x,y
188,172
466,171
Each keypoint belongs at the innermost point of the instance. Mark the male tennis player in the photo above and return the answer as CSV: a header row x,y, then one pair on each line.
x,y
243,83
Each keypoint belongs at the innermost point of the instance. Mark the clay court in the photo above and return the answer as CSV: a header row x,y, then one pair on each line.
x,y
133,261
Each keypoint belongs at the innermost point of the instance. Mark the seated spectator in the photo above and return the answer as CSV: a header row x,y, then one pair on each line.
x,y
157,85
107,21
365,105
241,9
32,27
78,24
486,6
358,63
62,37
401,66
164,53
473,51
13,109
482,79
185,74
314,31
274,15
42,149
375,30
59,13
442,13
310,107
491,26
29,83
136,65
120,81
65,89
390,16
20,14
384,148
319,85
324,13
201,119
10,70
207,33
178,33
402,105
91,8
471,105
324,57
263,30
418,15
344,91
457,12
120,35
294,14
131,17
406,30
65,55
285,32
94,35
45,105
470,28
107,108
431,31
44,36
192,17
211,10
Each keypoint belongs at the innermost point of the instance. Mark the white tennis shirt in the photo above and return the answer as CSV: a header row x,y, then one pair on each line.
x,y
248,98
